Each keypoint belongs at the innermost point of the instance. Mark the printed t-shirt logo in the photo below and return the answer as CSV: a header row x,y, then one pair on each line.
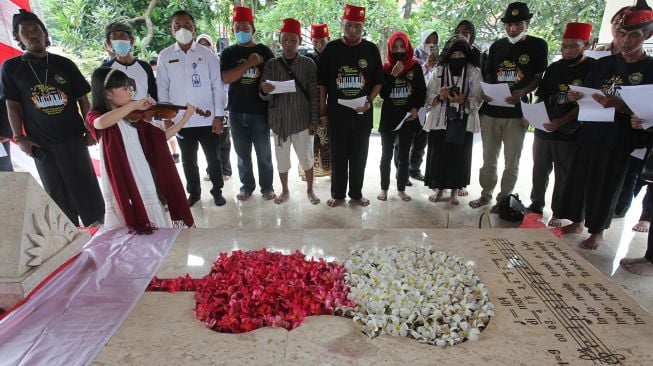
x,y
635,78
562,93
508,72
409,75
59,79
49,99
400,92
350,81
612,85
523,59
251,75
362,63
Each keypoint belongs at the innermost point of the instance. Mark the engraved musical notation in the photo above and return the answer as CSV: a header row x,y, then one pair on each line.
x,y
547,287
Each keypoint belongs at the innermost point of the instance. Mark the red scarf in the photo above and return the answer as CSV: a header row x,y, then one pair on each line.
x,y
409,59
166,178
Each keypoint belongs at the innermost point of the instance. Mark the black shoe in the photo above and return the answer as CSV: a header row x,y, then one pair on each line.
x,y
535,208
408,183
192,200
175,158
417,175
219,200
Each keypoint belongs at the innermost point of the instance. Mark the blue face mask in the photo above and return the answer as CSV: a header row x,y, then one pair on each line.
x,y
121,47
243,37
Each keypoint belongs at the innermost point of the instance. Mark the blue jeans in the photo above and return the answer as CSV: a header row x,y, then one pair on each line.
x,y
246,130
5,162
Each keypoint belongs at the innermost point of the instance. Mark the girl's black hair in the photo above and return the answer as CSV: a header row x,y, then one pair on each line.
x,y
103,79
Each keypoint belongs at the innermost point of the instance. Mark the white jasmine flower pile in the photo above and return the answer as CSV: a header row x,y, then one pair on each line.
x,y
416,292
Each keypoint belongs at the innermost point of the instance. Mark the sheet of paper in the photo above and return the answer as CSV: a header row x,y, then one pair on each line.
x,y
281,87
3,152
498,93
639,153
638,99
536,115
402,122
589,109
597,54
353,103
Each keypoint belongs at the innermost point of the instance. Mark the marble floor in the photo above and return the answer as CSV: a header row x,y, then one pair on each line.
x,y
299,213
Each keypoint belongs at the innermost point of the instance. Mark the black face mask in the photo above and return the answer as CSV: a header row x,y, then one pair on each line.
x,y
573,60
397,56
456,65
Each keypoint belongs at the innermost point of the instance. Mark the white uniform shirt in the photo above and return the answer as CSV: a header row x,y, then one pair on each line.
x,y
191,77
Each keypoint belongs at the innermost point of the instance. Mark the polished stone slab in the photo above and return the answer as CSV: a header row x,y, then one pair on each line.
x,y
552,307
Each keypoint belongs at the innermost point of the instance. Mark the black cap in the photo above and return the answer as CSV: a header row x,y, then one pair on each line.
x,y
516,12
117,27
24,15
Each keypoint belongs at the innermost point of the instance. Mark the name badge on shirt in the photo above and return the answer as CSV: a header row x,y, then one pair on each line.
x,y
196,78
196,81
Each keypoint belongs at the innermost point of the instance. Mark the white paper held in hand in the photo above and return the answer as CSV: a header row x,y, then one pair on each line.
x,y
498,93
589,109
3,152
282,87
402,121
638,99
353,103
597,54
536,115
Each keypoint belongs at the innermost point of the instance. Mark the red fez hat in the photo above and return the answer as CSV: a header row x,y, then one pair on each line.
x,y
638,16
354,13
578,31
291,25
243,14
319,31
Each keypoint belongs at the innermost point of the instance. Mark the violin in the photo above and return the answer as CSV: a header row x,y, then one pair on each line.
x,y
161,111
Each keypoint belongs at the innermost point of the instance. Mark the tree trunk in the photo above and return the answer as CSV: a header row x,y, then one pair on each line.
x,y
147,17
408,8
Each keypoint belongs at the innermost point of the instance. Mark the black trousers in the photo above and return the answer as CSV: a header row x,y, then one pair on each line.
x,y
417,149
225,151
348,158
396,143
68,177
188,144
593,186
631,187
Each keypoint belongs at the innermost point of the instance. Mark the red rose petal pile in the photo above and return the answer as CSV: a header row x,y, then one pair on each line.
x,y
254,289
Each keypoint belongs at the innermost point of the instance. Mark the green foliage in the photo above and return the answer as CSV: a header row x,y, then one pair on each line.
x,y
78,25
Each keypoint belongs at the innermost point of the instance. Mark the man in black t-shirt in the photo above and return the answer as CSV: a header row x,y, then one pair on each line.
x,y
519,61
598,171
242,67
557,147
350,68
43,92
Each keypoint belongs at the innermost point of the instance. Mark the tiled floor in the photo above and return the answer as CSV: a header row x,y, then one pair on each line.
x,y
298,213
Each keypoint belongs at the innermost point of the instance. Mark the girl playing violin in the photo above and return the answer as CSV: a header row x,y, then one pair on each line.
x,y
135,163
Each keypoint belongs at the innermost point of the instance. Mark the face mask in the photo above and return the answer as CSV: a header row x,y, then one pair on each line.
x,y
121,47
184,36
397,56
243,37
573,60
456,65
518,38
427,48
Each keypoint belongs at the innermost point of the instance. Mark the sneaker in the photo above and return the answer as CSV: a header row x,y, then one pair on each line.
x,y
175,158
219,200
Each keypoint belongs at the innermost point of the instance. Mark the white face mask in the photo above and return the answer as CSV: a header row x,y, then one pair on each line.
x,y
184,36
518,38
427,48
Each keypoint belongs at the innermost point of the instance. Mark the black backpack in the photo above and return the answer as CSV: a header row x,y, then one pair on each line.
x,y
511,208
